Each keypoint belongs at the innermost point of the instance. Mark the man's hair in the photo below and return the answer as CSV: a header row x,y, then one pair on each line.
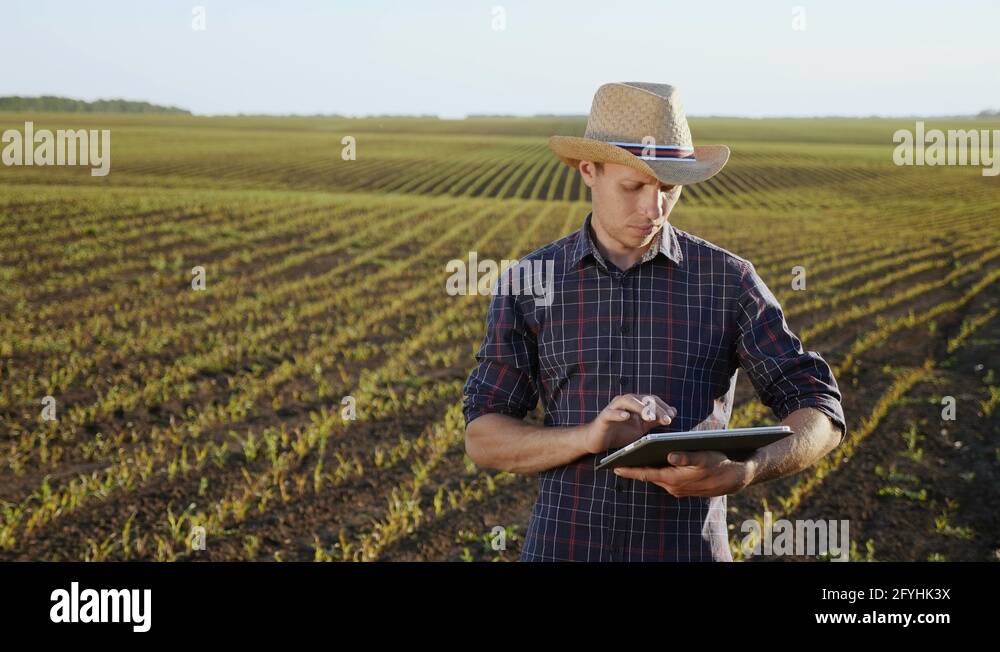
x,y
599,166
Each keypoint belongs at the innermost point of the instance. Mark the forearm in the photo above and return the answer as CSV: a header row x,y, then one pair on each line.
x,y
499,441
815,436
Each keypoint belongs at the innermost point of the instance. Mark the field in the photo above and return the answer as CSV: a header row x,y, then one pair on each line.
x,y
326,278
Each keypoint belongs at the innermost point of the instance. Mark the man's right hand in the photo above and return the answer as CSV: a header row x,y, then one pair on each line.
x,y
621,422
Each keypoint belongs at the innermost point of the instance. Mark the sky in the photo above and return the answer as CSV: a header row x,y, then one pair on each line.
x,y
452,58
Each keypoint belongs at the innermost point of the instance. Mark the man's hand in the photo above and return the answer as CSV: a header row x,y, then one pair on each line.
x,y
622,421
701,473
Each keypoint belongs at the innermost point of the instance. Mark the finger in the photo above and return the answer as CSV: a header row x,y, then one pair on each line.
x,y
628,402
651,411
647,411
668,410
696,458
657,409
648,407
644,473
686,481
615,415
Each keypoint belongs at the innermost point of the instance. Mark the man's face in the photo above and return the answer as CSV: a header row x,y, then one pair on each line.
x,y
629,206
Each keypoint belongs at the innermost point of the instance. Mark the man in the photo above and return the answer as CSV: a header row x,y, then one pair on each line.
x,y
639,308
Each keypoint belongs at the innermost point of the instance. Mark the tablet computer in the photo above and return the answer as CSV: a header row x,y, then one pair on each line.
x,y
652,450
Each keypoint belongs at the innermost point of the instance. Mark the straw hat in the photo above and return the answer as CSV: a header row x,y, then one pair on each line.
x,y
643,126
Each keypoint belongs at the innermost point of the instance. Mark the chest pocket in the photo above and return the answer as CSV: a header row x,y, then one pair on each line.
x,y
568,348
559,357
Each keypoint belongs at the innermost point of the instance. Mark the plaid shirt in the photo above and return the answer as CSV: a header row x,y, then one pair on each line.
x,y
676,325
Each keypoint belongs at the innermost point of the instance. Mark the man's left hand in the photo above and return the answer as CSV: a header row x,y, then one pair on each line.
x,y
695,473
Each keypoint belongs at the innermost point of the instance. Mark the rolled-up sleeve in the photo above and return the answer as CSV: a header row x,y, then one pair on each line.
x,y
505,378
785,376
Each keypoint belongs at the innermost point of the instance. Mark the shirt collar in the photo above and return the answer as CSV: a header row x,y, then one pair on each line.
x,y
583,245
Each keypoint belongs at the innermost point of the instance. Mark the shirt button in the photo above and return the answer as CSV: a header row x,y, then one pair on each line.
x,y
623,380
624,329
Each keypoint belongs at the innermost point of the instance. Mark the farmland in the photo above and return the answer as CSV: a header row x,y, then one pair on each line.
x,y
325,278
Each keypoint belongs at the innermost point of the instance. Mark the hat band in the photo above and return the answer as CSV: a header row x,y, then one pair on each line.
x,y
657,152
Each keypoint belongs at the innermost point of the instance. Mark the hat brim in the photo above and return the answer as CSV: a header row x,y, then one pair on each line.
x,y
709,159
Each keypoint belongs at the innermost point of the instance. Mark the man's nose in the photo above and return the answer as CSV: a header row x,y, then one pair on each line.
x,y
650,204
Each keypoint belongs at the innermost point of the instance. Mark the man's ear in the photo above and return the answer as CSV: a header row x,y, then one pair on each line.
x,y
587,172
